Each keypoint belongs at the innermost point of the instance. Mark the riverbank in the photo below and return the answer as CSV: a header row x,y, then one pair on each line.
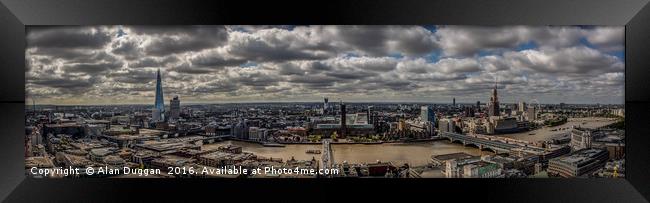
x,y
547,133
413,153
283,144
365,143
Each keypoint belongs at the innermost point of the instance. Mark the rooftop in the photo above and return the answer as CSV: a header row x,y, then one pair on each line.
x,y
38,161
445,157
580,156
337,126
61,125
102,151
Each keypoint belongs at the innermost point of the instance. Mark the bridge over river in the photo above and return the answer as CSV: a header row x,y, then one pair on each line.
x,y
495,144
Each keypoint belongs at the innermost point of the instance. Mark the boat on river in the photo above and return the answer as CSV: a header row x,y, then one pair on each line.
x,y
313,151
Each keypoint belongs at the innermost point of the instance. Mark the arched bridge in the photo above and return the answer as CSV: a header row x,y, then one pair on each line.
x,y
497,146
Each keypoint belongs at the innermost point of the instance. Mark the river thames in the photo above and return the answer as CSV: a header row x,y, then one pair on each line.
x,y
415,154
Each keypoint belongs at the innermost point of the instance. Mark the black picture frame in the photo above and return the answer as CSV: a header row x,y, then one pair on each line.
x,y
633,14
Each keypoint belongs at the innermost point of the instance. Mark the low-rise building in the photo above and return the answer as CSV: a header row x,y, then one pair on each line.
x,y
581,138
579,163
481,169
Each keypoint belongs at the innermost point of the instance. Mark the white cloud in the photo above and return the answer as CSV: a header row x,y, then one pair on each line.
x,y
252,63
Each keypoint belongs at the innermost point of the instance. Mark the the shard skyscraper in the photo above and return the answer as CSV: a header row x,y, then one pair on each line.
x,y
158,113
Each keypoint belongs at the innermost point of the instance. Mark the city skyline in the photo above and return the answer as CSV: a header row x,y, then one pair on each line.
x,y
231,64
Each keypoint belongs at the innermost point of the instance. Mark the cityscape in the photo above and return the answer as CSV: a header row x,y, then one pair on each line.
x,y
202,107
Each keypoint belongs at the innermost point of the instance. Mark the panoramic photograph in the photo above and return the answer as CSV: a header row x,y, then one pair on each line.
x,y
324,101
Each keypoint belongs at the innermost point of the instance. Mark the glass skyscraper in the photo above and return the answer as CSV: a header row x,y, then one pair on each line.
x,y
427,115
159,107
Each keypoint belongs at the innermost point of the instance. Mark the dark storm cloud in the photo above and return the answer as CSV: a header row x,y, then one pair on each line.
x,y
290,69
215,60
135,76
67,37
215,87
399,85
64,54
470,40
303,68
351,74
165,40
316,67
312,79
67,85
62,83
153,62
186,68
258,79
382,40
92,69
260,51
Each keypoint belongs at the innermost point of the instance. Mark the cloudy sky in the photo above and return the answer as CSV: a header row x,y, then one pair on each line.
x,y
215,64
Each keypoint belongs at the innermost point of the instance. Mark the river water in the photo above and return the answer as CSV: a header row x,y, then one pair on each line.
x,y
414,154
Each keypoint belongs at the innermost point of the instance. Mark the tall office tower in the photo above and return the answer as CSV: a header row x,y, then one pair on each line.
x,y
325,105
453,103
478,106
240,129
522,106
159,105
427,115
446,125
531,113
343,120
174,108
469,111
493,106
370,116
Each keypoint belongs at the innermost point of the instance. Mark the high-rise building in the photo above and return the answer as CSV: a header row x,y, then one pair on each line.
x,y
427,115
453,103
174,108
446,125
371,117
493,106
325,105
478,106
522,106
531,113
159,105
240,129
469,111
343,120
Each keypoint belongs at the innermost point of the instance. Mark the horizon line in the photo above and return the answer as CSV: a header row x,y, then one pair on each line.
x,y
334,102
